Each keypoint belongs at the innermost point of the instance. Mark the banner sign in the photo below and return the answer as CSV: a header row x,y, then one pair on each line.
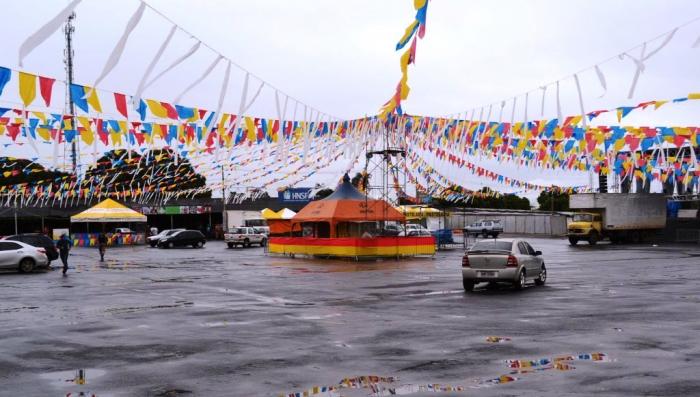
x,y
295,195
176,210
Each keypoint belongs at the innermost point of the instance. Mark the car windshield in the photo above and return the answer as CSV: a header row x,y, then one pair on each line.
x,y
583,218
492,245
238,231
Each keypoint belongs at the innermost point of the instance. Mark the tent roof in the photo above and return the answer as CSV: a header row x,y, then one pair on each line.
x,y
108,211
269,214
286,213
346,191
348,204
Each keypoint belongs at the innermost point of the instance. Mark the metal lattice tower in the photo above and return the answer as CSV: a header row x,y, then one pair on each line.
x,y
68,54
384,163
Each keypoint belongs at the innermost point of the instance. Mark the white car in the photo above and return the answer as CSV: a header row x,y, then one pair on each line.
x,y
245,237
413,230
21,256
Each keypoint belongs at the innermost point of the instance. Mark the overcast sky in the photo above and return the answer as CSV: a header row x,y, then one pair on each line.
x,y
338,56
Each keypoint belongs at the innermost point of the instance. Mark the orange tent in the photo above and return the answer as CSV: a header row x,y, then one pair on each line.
x,y
348,204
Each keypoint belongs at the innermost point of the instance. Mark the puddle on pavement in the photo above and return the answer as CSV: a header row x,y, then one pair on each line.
x,y
497,339
388,385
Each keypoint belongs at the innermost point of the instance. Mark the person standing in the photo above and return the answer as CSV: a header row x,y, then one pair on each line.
x,y
64,245
102,245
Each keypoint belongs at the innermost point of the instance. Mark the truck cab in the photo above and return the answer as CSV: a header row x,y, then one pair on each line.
x,y
585,226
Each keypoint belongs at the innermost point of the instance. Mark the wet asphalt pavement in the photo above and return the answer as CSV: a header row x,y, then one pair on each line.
x,y
221,322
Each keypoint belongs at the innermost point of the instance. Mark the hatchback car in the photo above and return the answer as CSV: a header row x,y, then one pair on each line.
x,y
21,256
183,238
512,261
153,240
37,240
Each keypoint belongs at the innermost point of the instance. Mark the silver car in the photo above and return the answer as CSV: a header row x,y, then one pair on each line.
x,y
21,256
512,261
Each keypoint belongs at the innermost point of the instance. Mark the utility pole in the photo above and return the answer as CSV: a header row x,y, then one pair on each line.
x,y
68,60
224,218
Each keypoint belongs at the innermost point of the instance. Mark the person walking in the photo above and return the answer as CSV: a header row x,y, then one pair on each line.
x,y
102,245
64,245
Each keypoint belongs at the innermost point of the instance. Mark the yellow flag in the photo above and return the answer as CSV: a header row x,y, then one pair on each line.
x,y
93,99
694,95
27,87
252,131
87,135
43,133
157,109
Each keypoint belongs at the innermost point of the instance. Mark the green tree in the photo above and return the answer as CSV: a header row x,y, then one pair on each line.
x,y
560,201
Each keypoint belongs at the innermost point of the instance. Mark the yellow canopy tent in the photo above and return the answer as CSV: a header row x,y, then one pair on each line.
x,y
108,211
280,222
268,214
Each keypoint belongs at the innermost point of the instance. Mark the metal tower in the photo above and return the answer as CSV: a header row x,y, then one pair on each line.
x,y
68,54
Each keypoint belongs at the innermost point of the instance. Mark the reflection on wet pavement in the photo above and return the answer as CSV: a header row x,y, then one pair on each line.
x,y
385,386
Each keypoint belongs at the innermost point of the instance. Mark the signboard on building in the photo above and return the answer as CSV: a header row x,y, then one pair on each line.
x,y
176,210
297,195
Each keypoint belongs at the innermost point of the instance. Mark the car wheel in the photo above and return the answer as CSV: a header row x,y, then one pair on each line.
x,y
26,265
485,233
263,242
520,282
171,245
573,240
199,244
153,245
543,276
230,245
246,243
468,285
593,238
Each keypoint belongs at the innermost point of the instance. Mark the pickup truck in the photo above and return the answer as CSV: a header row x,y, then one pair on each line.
x,y
485,227
245,237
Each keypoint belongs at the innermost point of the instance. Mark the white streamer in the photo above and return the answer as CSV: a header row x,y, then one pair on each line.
x,y
639,62
580,100
559,115
199,80
601,78
151,66
45,31
176,62
116,54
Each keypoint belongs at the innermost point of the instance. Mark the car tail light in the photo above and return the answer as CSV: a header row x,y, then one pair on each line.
x,y
465,261
512,261
43,251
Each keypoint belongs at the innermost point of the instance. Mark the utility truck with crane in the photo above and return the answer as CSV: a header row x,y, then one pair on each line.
x,y
621,217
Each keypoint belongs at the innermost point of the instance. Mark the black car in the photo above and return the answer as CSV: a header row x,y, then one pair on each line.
x,y
37,240
183,238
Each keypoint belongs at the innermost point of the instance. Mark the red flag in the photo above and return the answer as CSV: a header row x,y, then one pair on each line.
x,y
120,100
46,86
172,113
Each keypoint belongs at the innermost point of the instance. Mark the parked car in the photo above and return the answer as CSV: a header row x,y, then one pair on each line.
x,y
183,238
123,230
21,256
153,240
443,236
37,240
412,229
485,227
512,261
245,237
262,230
392,229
